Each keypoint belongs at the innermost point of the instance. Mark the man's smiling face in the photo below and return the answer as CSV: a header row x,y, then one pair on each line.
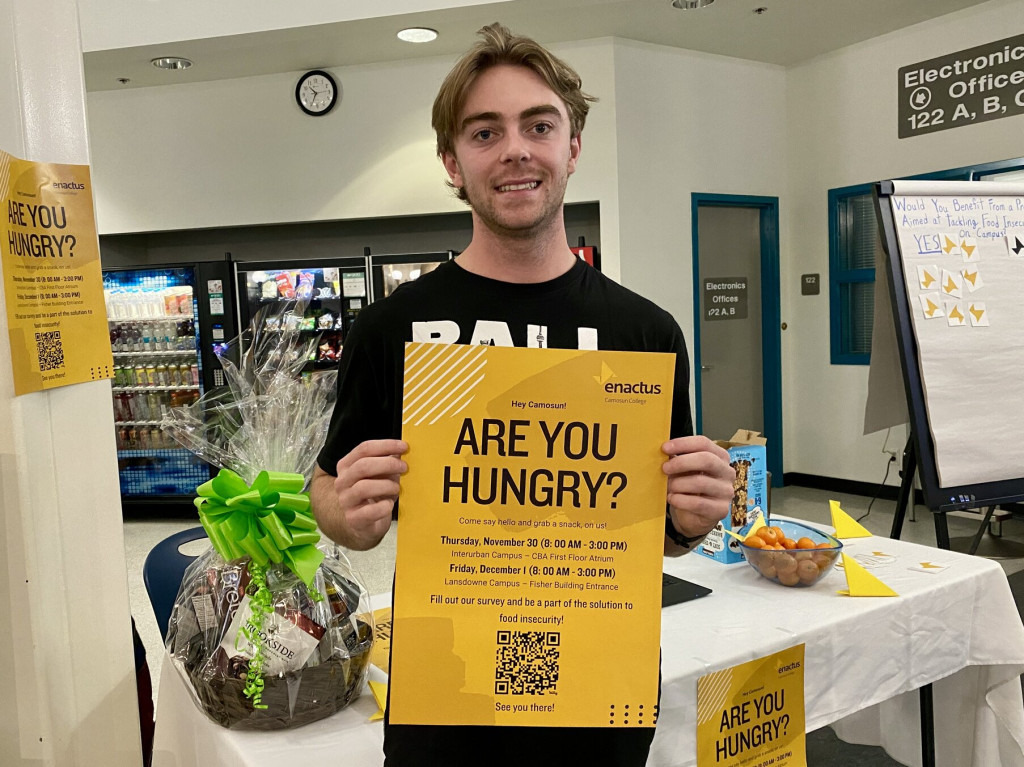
x,y
513,152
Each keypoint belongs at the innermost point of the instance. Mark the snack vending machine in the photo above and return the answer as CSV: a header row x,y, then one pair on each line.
x,y
336,291
164,324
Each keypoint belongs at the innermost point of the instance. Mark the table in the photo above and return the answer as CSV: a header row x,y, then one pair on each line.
x,y
865,658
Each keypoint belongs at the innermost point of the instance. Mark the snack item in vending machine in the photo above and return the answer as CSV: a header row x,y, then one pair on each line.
x,y
284,285
304,291
185,300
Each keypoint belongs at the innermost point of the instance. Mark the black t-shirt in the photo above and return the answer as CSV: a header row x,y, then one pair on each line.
x,y
580,309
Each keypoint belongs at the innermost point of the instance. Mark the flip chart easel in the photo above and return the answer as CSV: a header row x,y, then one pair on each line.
x,y
956,281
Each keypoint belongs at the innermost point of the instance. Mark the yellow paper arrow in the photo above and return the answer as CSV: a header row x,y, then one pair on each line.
x,y
861,583
950,286
380,694
881,554
970,276
949,246
845,525
928,280
978,313
955,313
932,308
930,566
968,249
758,524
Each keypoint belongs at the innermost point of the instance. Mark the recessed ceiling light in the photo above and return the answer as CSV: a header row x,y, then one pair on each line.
x,y
171,62
687,5
418,35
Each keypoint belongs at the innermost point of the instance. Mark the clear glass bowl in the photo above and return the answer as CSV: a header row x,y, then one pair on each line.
x,y
795,567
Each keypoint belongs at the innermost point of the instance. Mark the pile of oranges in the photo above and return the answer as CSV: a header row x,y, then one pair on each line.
x,y
783,560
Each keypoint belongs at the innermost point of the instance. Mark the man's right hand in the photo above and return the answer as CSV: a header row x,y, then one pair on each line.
x,y
354,508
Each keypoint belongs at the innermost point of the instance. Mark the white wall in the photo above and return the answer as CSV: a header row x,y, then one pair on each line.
x,y
688,122
235,152
842,130
69,697
668,123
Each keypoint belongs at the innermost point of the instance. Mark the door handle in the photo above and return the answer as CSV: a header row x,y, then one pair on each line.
x,y
706,367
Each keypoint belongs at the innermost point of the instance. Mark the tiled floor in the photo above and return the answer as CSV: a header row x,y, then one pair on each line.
x,y
376,567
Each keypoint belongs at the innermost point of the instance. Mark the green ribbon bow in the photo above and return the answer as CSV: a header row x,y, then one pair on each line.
x,y
271,521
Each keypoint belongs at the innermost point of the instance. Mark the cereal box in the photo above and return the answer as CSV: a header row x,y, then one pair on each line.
x,y
748,457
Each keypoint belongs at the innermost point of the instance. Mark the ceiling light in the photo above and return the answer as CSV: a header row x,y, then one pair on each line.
x,y
686,5
418,35
171,62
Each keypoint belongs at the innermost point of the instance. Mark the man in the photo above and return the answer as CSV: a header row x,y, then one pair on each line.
x,y
509,119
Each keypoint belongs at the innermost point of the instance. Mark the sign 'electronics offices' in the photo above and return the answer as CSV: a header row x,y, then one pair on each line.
x,y
972,86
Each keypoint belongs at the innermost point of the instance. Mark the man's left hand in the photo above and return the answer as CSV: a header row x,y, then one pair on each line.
x,y
699,484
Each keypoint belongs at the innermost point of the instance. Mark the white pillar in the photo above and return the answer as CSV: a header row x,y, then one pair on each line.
x,y
67,675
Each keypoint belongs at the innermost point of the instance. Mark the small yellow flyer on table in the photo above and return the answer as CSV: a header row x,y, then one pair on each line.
x,y
752,715
530,537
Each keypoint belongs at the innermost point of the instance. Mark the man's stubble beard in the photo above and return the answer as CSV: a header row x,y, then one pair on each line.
x,y
492,218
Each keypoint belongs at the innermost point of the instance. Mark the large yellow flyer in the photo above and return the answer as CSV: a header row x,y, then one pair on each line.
x,y
752,715
530,537
53,285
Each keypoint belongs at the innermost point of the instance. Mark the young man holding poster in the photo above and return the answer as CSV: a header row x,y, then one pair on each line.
x,y
509,119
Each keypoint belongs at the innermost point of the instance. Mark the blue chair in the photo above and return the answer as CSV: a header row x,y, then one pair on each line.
x,y
163,570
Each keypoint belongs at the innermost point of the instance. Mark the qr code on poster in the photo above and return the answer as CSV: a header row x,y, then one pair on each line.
x,y
527,663
50,350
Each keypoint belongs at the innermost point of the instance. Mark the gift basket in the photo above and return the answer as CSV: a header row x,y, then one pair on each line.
x,y
271,627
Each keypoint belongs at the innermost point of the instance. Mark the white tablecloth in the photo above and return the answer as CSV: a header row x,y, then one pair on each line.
x,y
865,659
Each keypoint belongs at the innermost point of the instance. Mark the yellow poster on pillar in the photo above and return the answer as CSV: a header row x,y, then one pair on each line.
x,y
530,537
53,285
752,715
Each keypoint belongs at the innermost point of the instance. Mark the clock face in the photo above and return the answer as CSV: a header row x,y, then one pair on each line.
x,y
316,93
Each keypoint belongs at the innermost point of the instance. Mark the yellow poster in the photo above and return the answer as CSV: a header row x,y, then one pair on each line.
x,y
530,537
53,285
752,715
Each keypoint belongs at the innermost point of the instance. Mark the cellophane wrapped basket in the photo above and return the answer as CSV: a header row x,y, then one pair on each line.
x,y
271,628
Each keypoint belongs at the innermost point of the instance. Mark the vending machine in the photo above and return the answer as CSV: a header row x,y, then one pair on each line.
x,y
334,293
164,324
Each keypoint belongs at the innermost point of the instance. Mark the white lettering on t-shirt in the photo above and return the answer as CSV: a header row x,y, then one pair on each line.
x,y
436,332
537,336
495,333
491,333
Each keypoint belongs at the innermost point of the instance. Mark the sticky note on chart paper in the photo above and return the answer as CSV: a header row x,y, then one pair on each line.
x,y
861,583
845,525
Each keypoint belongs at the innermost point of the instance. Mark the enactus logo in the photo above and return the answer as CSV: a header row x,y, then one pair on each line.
x,y
616,387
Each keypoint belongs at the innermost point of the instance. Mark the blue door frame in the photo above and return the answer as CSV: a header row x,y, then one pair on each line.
x,y
771,317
